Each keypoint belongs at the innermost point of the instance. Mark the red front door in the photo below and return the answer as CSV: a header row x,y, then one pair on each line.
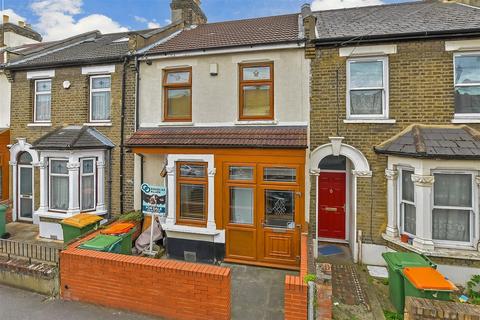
x,y
331,205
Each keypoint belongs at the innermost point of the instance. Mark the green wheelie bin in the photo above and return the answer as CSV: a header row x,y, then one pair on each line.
x,y
396,262
79,224
3,220
104,243
125,231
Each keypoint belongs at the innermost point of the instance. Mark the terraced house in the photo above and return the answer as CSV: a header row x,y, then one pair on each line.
x,y
14,37
394,131
222,124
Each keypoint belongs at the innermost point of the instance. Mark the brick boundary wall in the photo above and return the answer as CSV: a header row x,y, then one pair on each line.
x,y
165,288
296,290
426,309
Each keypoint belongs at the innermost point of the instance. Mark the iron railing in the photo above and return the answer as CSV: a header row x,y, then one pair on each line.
x,y
30,251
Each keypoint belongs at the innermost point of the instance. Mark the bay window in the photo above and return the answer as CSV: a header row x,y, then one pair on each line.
x,y
100,98
256,91
407,202
42,101
467,84
192,190
452,214
58,180
87,184
367,88
177,91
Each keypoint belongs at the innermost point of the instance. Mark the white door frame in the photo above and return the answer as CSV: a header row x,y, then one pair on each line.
x,y
18,193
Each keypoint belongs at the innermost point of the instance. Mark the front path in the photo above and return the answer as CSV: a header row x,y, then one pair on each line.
x,y
257,293
16,304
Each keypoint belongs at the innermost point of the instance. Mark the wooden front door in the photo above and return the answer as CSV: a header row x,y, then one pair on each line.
x,y
263,214
331,205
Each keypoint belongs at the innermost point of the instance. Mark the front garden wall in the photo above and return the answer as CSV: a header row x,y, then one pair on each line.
x,y
166,288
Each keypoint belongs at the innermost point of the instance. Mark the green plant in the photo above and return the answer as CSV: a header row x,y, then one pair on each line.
x,y
472,289
134,216
310,277
389,315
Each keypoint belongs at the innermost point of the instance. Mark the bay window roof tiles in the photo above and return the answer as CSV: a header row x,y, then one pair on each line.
x,y
73,138
294,137
434,141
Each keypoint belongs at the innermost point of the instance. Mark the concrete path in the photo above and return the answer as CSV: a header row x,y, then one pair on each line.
x,y
16,304
257,293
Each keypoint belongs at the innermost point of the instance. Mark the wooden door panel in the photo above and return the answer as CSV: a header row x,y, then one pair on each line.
x,y
241,243
278,245
331,205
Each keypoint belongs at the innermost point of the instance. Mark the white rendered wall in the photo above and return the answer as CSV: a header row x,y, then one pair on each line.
x,y
215,99
11,39
4,101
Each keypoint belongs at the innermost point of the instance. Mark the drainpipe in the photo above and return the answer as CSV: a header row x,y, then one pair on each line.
x,y
137,93
122,133
109,181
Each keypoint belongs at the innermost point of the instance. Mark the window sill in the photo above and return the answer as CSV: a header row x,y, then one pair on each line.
x,y
98,124
190,229
255,122
385,121
40,124
173,123
466,120
466,253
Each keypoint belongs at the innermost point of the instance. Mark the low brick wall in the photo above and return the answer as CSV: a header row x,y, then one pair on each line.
x,y
166,288
425,309
296,290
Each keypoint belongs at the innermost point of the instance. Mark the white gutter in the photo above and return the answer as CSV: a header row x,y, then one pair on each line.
x,y
205,52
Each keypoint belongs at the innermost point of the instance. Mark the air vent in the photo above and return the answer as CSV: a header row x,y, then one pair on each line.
x,y
190,256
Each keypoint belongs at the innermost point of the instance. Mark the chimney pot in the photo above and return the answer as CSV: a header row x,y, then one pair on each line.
x,y
21,23
306,10
6,18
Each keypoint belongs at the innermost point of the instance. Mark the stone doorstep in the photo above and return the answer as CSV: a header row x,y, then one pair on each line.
x,y
42,270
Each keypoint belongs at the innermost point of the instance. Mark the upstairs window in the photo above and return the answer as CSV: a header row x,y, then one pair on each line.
x,y
256,91
467,84
367,88
43,100
177,92
100,98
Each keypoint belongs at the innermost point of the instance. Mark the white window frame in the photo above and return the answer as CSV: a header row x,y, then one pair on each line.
x,y
50,174
473,211
401,215
35,101
463,115
100,90
385,89
94,174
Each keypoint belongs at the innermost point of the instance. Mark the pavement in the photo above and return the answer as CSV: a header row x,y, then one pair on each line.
x,y
257,293
16,304
28,232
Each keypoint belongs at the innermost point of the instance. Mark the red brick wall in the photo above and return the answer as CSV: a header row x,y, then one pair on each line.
x,y
296,290
166,288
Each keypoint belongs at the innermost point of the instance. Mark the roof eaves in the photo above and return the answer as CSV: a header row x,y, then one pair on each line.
x,y
90,61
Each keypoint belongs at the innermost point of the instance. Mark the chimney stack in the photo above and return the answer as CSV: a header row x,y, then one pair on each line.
x,y
187,11
309,22
6,18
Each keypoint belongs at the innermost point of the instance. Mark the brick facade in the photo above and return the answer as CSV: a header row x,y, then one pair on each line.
x,y
427,309
166,288
421,91
71,107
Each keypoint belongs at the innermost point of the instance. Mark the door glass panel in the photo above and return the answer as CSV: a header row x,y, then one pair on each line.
x,y
25,158
26,209
280,174
241,173
241,205
280,208
333,163
26,181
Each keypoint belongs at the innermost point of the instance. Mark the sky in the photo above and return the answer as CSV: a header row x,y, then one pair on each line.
x,y
57,19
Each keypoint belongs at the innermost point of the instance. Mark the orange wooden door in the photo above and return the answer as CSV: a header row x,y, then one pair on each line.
x,y
280,225
331,205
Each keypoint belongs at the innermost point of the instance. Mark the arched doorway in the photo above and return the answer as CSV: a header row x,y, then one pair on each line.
x,y
337,166
25,190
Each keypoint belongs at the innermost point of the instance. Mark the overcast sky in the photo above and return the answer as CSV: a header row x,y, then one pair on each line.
x,y
56,19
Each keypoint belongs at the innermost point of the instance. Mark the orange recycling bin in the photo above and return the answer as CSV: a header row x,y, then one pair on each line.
x,y
427,282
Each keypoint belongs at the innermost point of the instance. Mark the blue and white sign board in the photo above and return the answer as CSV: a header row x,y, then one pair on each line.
x,y
154,200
